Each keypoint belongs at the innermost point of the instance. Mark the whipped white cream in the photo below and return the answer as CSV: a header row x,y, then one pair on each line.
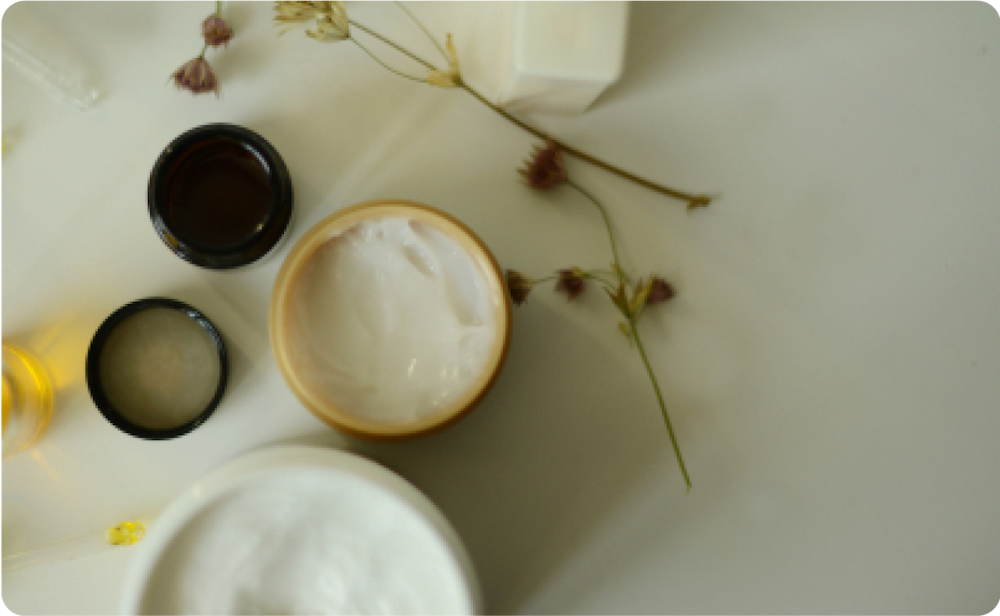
x,y
392,320
306,543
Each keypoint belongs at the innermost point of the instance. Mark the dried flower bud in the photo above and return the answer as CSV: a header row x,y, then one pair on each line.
x,y
625,329
330,28
291,13
571,282
545,169
332,23
298,12
659,291
519,286
453,77
216,31
196,75
639,296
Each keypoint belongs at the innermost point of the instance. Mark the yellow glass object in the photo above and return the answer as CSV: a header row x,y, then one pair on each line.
x,y
127,533
27,400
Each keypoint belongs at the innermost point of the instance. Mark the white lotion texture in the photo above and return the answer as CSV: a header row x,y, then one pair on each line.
x,y
392,320
306,544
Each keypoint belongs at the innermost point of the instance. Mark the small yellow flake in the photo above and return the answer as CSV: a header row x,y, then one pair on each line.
x,y
126,533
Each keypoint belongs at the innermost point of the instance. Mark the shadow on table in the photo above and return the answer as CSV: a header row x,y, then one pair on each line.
x,y
541,464
658,32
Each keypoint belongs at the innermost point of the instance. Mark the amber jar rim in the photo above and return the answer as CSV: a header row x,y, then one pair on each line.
x,y
258,243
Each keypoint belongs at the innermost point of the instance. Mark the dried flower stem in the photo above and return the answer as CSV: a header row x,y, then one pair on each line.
x,y
693,201
617,291
546,170
383,64
659,398
592,275
392,44
421,26
607,224
633,326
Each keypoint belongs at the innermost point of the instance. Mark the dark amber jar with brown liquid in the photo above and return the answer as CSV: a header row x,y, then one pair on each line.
x,y
220,196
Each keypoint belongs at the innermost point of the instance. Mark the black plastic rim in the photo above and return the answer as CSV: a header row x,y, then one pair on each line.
x,y
93,368
254,247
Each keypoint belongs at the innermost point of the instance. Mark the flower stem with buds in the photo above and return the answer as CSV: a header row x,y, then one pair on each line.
x,y
546,170
383,64
693,201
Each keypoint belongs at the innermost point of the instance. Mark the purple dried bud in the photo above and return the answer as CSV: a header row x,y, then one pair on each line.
x,y
659,291
545,169
196,75
571,282
519,286
216,31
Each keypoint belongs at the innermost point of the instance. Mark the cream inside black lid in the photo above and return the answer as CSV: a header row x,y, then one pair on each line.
x,y
160,368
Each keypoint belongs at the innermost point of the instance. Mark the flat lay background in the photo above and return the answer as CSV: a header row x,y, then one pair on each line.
x,y
831,360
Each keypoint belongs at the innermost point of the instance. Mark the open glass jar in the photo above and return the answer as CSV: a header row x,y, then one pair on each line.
x,y
27,399
220,196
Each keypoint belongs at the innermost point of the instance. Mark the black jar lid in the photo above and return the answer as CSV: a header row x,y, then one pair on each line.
x,y
220,196
99,391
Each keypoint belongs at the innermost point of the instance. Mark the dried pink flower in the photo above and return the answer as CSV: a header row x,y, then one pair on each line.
x,y
571,282
216,31
196,75
659,291
519,286
545,169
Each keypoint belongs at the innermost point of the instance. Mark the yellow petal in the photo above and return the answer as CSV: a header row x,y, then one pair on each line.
x,y
338,15
327,31
641,294
325,36
440,79
294,11
452,56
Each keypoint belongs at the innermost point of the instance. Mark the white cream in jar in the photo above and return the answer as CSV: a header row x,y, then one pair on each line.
x,y
392,320
306,543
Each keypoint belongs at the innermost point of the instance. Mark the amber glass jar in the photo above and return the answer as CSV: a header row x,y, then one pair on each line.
x,y
220,196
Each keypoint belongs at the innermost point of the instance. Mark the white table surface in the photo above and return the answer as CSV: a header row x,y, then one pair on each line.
x,y
831,361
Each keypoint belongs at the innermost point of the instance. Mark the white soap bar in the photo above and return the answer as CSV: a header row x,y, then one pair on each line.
x,y
564,55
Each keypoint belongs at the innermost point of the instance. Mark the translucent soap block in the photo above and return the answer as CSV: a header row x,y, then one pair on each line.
x,y
563,55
